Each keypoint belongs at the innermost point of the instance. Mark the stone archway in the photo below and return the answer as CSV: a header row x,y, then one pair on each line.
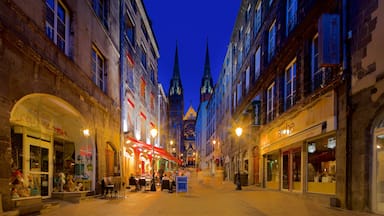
x,y
49,136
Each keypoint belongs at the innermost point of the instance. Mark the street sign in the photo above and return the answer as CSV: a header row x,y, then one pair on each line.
x,y
181,184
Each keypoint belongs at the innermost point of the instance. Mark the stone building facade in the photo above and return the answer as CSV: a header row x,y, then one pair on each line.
x,y
60,107
366,107
289,97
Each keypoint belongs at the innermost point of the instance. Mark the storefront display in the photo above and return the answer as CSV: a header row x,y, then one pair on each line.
x,y
321,167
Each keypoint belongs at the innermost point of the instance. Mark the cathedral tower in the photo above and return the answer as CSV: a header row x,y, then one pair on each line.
x,y
176,108
206,88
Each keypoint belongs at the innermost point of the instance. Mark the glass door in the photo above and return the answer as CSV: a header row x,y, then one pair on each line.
x,y
378,199
38,166
291,170
286,172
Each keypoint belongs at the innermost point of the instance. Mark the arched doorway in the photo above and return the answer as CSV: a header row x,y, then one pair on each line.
x,y
378,169
50,138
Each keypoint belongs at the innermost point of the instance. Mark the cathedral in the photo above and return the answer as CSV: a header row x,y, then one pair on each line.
x,y
182,127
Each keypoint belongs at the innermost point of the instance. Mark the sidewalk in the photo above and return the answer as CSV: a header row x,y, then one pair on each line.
x,y
210,197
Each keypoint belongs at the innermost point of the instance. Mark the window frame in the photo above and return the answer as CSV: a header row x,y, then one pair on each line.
x,y
257,62
52,31
257,19
291,15
316,70
101,11
98,77
272,41
270,102
290,84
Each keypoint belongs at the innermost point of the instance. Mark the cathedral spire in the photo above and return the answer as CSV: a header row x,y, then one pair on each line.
x,y
176,68
207,67
206,88
175,87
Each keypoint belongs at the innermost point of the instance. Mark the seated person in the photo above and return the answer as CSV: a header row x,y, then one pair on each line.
x,y
133,181
165,182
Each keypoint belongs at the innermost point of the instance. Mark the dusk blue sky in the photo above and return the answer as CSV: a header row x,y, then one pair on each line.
x,y
191,24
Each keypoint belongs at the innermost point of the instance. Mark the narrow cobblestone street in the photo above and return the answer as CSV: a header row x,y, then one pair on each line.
x,y
210,198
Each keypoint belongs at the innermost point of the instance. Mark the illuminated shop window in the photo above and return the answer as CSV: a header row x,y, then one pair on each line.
x,y
321,167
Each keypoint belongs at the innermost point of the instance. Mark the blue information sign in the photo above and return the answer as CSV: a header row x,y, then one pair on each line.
x,y
181,184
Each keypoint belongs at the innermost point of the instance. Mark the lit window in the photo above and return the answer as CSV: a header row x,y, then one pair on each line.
x,y
57,24
290,85
152,102
98,69
142,89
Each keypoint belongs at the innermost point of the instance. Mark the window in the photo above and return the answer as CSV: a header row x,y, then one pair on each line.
x,y
290,85
152,102
143,57
247,74
57,24
271,41
142,89
247,14
321,167
270,102
270,2
144,30
134,5
291,15
129,30
101,9
130,80
239,58
98,69
239,86
257,21
247,41
257,63
152,76
240,34
318,74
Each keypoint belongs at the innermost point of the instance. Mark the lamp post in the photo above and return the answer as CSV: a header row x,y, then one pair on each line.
x,y
153,134
239,131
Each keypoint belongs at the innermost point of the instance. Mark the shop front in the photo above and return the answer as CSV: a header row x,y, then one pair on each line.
x,y
299,153
52,150
378,169
142,156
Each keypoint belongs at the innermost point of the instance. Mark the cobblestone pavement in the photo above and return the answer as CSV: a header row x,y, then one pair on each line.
x,y
202,199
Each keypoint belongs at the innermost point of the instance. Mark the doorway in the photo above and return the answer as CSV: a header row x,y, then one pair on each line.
x,y
38,165
291,170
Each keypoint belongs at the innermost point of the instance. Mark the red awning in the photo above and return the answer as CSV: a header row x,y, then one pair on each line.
x,y
160,151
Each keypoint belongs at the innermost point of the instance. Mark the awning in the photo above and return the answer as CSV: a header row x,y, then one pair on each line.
x,y
160,151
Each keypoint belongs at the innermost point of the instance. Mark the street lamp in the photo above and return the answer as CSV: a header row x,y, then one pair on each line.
x,y
153,134
239,131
